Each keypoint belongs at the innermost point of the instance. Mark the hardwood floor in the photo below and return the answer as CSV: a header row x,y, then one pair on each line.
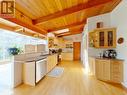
x,y
73,82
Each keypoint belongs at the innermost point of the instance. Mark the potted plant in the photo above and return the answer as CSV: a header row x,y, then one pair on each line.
x,y
14,51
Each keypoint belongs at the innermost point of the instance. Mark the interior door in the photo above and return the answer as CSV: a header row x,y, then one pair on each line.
x,y
76,50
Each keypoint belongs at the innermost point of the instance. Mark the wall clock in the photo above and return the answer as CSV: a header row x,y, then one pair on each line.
x,y
120,40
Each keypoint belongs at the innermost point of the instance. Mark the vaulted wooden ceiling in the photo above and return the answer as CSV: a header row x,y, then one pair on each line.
x,y
45,16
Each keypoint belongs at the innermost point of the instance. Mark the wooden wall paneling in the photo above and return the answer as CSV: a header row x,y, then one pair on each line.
x,y
74,17
46,7
23,10
49,15
18,29
71,10
109,6
69,26
24,21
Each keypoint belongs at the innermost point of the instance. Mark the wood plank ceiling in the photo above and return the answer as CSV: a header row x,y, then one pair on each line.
x,y
52,15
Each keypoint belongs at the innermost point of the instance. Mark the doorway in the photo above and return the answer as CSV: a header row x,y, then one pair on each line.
x,y
77,51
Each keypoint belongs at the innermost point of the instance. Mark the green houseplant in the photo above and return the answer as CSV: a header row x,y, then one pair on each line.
x,y
14,51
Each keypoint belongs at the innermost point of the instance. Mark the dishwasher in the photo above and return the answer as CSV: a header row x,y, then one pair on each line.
x,y
40,69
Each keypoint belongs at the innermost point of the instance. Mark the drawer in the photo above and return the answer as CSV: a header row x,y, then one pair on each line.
x,y
116,71
116,79
115,74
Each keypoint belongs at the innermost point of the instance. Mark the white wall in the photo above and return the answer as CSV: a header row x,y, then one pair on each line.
x,y
74,38
91,25
84,45
105,18
119,20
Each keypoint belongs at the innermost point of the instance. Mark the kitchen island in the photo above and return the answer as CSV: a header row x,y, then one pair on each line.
x,y
34,69
30,68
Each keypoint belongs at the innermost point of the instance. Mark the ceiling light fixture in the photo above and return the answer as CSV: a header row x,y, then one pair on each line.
x,y
61,31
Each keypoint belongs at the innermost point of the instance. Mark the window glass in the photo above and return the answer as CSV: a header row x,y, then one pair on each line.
x,y
10,39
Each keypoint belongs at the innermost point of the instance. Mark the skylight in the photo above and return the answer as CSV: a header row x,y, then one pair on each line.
x,y
61,31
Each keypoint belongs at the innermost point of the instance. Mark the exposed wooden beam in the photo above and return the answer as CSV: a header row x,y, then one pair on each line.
x,y
79,27
68,34
26,22
83,6
18,28
71,32
69,26
6,27
63,33
26,25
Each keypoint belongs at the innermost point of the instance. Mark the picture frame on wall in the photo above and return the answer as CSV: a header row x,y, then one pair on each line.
x,y
99,25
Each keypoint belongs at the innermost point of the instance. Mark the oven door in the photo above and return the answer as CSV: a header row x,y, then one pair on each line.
x,y
40,69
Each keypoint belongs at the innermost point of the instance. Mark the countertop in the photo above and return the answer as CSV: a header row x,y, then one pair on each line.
x,y
38,58
67,52
101,58
33,59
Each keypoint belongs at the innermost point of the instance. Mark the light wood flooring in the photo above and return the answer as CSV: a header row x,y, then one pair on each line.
x,y
73,82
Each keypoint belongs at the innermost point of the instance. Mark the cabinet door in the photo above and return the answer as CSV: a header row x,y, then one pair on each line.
x,y
117,71
40,69
29,73
96,39
49,63
91,40
111,37
99,70
106,70
103,69
101,38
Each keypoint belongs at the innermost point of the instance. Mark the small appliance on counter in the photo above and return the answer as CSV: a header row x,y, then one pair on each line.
x,y
109,53
52,51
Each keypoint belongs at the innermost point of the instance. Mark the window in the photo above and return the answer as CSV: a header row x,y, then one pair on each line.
x,y
10,39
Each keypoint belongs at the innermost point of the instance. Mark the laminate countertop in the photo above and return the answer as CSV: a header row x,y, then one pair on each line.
x,y
33,59
38,58
102,58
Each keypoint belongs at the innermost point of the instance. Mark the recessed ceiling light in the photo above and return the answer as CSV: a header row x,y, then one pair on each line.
x,y
61,31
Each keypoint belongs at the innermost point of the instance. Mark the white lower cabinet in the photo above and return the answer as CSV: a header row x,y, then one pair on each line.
x,y
29,73
34,71
40,69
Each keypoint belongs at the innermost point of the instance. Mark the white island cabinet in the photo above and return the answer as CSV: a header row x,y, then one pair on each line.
x,y
34,71
29,73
